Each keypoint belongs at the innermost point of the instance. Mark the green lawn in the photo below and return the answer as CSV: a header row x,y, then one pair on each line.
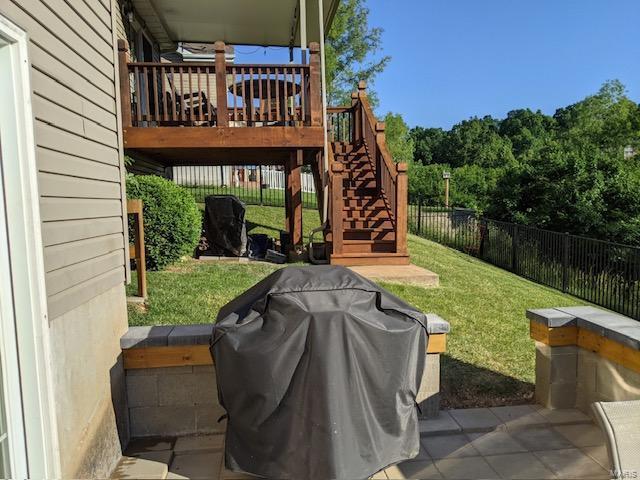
x,y
270,196
490,358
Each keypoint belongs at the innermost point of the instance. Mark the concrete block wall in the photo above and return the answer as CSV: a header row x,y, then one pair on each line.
x,y
183,400
571,376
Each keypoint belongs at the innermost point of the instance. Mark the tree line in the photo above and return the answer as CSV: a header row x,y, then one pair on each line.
x,y
576,171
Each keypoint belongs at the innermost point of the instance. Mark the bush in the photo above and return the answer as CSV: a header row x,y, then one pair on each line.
x,y
172,220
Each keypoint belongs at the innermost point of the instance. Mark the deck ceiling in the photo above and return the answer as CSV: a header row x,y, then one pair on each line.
x,y
237,22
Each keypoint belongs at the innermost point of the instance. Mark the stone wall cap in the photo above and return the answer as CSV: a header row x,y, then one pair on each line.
x,y
197,334
148,336
436,324
552,317
606,324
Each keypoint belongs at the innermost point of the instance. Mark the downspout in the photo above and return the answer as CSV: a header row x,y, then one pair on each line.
x,y
325,158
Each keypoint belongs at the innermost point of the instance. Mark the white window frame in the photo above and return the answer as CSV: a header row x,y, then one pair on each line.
x,y
24,325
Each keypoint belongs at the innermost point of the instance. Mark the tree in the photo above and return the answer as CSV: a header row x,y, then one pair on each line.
x,y
427,144
351,52
526,130
399,142
477,142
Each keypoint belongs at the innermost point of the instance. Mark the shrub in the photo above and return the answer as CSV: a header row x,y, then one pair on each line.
x,y
172,220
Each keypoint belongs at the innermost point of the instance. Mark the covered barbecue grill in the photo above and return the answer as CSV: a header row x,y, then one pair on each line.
x,y
224,225
318,369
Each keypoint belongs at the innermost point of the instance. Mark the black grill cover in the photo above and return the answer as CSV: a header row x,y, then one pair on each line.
x,y
224,225
318,369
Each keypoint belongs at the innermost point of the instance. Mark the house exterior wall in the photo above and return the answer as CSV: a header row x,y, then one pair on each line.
x,y
80,172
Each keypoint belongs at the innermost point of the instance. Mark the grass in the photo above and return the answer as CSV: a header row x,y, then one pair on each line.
x,y
270,196
489,359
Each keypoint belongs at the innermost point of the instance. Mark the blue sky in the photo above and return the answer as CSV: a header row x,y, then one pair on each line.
x,y
453,59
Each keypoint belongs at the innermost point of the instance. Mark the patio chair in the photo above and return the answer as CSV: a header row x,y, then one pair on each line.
x,y
620,422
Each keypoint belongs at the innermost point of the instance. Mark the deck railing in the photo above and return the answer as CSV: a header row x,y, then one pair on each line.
x,y
219,94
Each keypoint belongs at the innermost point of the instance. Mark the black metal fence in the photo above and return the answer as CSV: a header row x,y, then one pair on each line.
x,y
253,184
604,273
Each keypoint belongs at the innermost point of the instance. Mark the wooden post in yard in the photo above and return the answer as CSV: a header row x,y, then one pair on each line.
x,y
337,200
294,194
222,115
136,251
401,207
315,84
125,86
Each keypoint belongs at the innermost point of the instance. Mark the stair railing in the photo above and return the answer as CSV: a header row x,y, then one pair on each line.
x,y
391,177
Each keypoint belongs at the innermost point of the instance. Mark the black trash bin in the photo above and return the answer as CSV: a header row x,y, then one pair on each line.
x,y
318,369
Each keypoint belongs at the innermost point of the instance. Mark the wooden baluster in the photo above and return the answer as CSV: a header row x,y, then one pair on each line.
x,y
336,207
302,95
252,113
268,94
207,73
260,112
145,74
199,96
172,89
221,85
276,74
156,98
285,96
244,96
125,85
164,94
235,93
400,200
315,83
181,97
136,84
191,101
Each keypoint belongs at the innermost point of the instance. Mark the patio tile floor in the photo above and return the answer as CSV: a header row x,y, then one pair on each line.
x,y
525,443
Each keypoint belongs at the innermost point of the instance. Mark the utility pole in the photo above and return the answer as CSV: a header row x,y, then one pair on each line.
x,y
446,176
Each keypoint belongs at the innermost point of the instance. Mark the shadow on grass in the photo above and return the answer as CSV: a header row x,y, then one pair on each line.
x,y
463,385
251,226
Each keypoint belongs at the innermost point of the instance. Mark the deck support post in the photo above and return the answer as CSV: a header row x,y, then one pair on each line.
x,y
401,207
125,86
222,115
293,197
315,84
337,170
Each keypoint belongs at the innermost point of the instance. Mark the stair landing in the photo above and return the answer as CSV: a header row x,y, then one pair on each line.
x,y
411,274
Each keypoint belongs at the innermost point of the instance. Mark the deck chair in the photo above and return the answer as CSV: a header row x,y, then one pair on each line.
x,y
620,422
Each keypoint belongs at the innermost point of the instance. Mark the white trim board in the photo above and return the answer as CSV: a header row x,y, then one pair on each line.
x,y
21,231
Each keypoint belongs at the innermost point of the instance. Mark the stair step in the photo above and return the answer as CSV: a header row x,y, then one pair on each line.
x,y
359,184
372,202
361,234
352,259
367,246
359,215
373,224
358,193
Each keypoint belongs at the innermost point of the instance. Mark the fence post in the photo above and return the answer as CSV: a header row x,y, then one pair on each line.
x,y
514,249
419,215
222,116
565,263
260,183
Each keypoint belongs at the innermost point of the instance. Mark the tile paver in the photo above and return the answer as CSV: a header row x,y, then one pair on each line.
x,y
423,470
540,438
532,443
197,465
469,468
449,446
582,435
495,443
563,416
518,416
571,464
136,468
599,454
519,466
198,443
479,419
442,424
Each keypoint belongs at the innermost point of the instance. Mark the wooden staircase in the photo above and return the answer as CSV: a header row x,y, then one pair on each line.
x,y
368,194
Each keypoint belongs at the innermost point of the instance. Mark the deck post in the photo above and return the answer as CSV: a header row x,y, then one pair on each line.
x,y
294,197
401,207
315,84
337,170
356,127
222,114
125,86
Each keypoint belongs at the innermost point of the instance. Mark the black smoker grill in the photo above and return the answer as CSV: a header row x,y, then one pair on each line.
x,y
318,369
